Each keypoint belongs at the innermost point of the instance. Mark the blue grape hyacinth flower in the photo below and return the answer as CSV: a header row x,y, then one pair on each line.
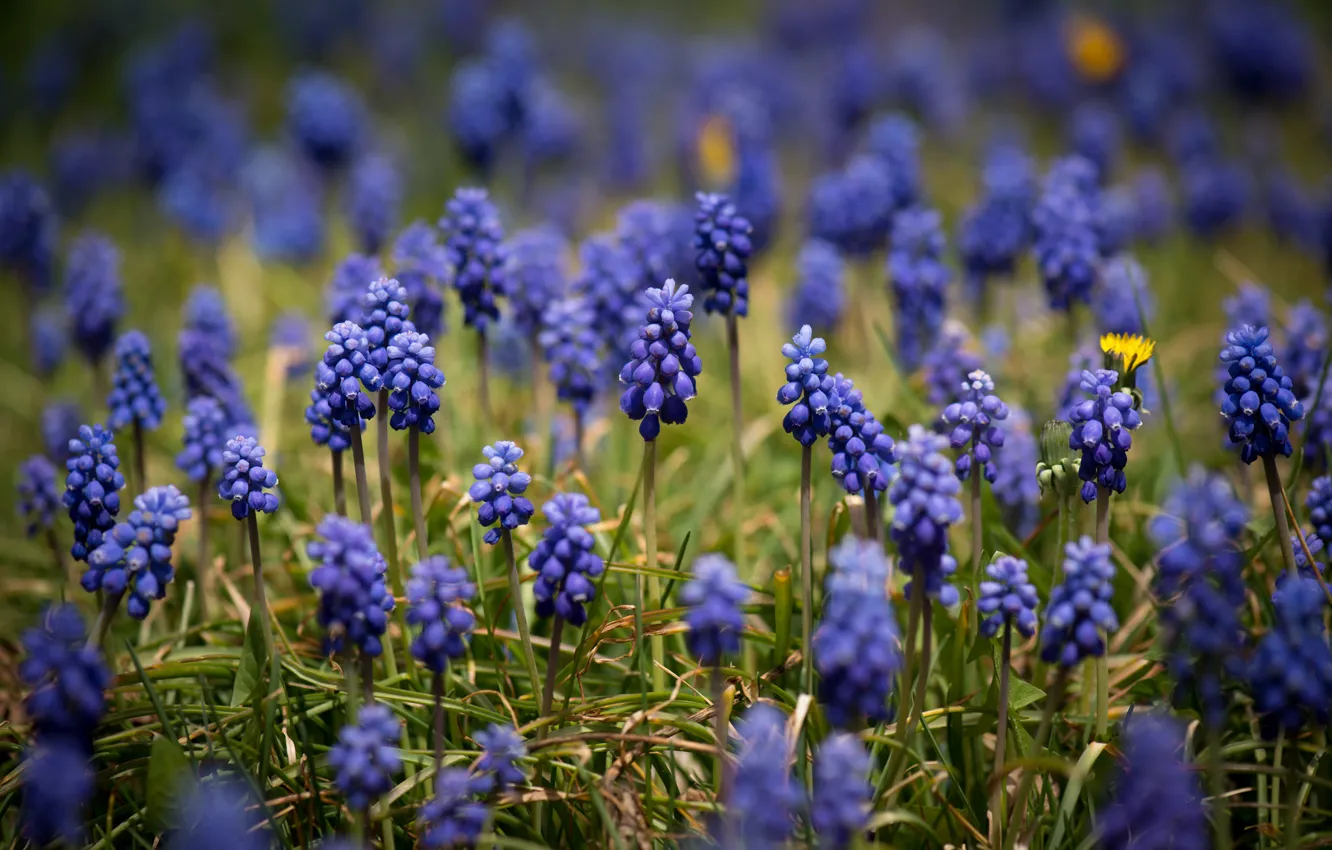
x,y
244,480
712,598
205,428
412,380
1260,401
1157,800
220,815
1079,615
325,117
346,289
205,313
473,236
326,429
862,454
856,643
1007,598
972,422
808,388
1123,291
498,490
572,346
92,488
610,284
347,376
134,397
1290,674
422,266
38,496
1306,346
1319,503
135,556
502,748
94,297
1102,431
374,193
57,784
819,297
842,792
723,242
1017,491
49,341
384,314
27,229
366,758
436,595
925,496
534,275
67,679
765,797
1064,222
565,561
663,365
947,365
350,579
919,281
454,817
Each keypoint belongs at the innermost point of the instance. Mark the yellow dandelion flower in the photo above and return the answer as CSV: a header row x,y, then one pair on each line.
x,y
716,151
1094,48
1130,351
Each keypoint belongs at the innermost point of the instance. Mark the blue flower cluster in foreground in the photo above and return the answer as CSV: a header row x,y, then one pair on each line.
x,y
498,490
1260,403
712,598
1079,615
663,365
366,758
925,498
565,561
135,556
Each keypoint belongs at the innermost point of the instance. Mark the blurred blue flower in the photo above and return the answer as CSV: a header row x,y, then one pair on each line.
x,y
713,597
93,294
501,750
354,599
925,497
1015,486
50,338
325,118
346,289
894,140
374,194
423,267
819,296
1153,206
610,283
57,782
204,437
1122,292
436,597
476,114
765,798
1214,194
1306,347
1007,598
1290,673
1064,221
947,364
291,334
27,229
473,236
37,494
286,204
61,420
853,208
454,817
1094,133
534,274
919,281
842,791
66,678
572,347
1157,800
366,758
1079,615
1319,503
220,815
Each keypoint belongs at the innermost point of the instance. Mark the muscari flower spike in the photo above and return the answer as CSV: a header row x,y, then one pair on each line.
x,y
1260,403
384,313
925,496
712,598
454,817
1319,503
1015,488
972,422
1007,598
422,265
1308,565
346,375
366,757
534,275
221,815
49,339
498,490
354,600
412,380
473,234
842,791
610,286
346,289
67,677
135,556
436,597
1290,674
862,455
244,479
1079,616
1102,427
325,117
764,796
723,242
1306,346
1064,222
57,784
663,365
325,428
1199,579
134,395
853,208
374,193
807,389
92,488
565,561
205,429
919,281
501,750
37,494
572,347
1157,801
1122,293
27,229
205,312
856,644
819,297
947,365
94,298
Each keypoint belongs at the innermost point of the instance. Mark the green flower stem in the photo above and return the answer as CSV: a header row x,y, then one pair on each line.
x,y
260,592
806,572
368,676
1216,781
339,487
872,515
737,447
1103,660
70,573
1277,765
580,432
203,565
362,481
386,512
1295,779
104,617
1274,492
552,665
519,610
976,527
437,689
1102,514
658,643
1019,811
483,375
997,808
414,473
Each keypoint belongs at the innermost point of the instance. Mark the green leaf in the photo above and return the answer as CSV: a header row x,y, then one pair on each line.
x,y
169,776
981,648
1020,694
251,670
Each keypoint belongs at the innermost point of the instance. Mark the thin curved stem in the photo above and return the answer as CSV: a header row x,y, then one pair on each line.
x,y
386,512
976,523
719,724
104,617
806,571
552,665
437,689
1000,740
1216,781
520,611
260,594
737,446
872,514
414,473
339,486
657,642
362,480
483,375
140,458
1277,497
203,565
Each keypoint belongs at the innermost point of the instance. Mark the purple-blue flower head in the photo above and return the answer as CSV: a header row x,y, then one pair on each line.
x,y
244,480
347,376
565,559
325,118
374,194
862,454
412,380
894,141
1007,598
808,388
134,397
947,365
37,494
1122,292
534,274
610,284
757,191
1157,800
287,207
354,600
454,817
326,429
919,282
1153,204
925,496
92,487
1306,347
1115,220
572,347
476,115
1066,245
291,335
1290,674
853,208
57,784
135,556
971,421
220,815
722,240
1079,616
1094,133
712,598
501,750
1260,402
1308,565
1015,488
647,232
61,421
473,235
205,313
49,341
1319,503
205,429
498,490
94,299
347,288
422,266
366,758
27,229
384,313
1214,194
437,594
663,364
856,643
765,798
1102,431
841,805
66,677
819,296
990,238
